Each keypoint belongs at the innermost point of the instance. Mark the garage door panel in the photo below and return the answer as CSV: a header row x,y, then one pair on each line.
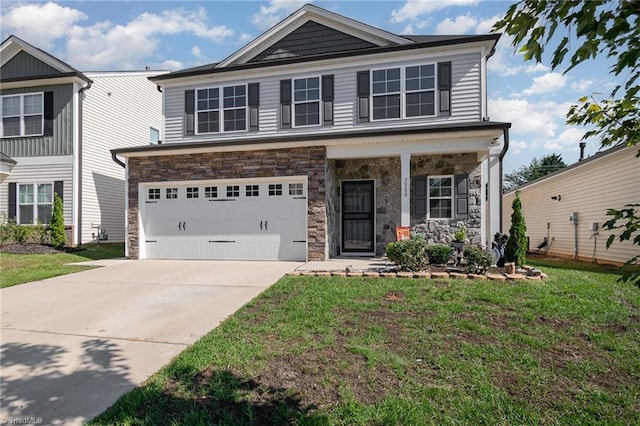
x,y
255,224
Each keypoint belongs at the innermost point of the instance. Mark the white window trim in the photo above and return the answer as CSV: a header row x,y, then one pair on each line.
x,y
403,92
452,197
34,204
22,115
221,110
294,103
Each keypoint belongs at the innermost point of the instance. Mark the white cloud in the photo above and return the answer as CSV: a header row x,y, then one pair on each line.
x,y
516,146
40,24
538,120
244,38
582,85
461,25
413,9
197,53
275,12
546,83
568,140
170,64
537,67
486,25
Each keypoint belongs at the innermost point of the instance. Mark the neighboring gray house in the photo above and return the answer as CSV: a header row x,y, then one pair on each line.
x,y
58,125
564,211
318,139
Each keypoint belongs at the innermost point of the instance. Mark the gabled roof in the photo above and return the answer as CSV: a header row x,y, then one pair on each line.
x,y
14,46
310,13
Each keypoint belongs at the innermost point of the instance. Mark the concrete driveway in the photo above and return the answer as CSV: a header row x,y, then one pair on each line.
x,y
72,345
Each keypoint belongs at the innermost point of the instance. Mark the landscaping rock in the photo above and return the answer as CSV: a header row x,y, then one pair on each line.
x,y
516,277
372,274
294,273
439,275
405,275
388,274
457,275
510,267
338,274
477,277
354,274
423,275
496,277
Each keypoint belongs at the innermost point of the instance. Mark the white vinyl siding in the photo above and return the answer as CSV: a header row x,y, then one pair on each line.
x,y
589,189
118,111
465,98
38,174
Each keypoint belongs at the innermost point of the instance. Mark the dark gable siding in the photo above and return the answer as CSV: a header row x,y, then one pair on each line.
x,y
24,65
61,138
312,39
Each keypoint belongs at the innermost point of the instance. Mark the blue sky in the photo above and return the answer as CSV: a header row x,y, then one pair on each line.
x,y
124,35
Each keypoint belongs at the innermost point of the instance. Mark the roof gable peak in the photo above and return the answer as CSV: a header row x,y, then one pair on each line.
x,y
302,16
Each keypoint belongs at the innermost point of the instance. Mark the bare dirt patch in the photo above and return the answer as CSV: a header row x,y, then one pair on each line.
x,y
29,249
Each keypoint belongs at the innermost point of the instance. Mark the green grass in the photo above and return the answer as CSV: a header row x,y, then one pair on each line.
x,y
22,268
340,351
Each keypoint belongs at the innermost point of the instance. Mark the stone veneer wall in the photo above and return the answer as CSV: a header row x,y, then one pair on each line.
x,y
310,162
440,231
386,173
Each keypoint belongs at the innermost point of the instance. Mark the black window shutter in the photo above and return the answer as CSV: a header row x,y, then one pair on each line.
x,y
285,104
189,112
254,106
363,96
58,188
420,197
327,99
462,196
444,87
12,201
48,114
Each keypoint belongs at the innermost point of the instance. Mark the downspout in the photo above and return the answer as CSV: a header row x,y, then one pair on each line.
x,y
79,156
115,158
505,148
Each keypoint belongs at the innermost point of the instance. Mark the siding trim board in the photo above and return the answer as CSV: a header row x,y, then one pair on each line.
x,y
446,128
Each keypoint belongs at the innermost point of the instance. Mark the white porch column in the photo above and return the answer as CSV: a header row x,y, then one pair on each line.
x,y
495,193
405,178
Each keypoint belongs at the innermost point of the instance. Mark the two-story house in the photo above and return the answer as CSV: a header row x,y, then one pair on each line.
x,y
58,126
319,138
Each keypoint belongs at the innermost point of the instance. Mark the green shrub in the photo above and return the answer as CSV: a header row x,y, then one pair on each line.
x,y
39,233
409,255
20,234
5,232
477,260
58,236
516,248
438,254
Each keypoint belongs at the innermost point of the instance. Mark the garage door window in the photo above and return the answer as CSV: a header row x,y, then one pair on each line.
x,y
193,192
210,192
171,193
295,189
252,190
154,193
275,189
233,191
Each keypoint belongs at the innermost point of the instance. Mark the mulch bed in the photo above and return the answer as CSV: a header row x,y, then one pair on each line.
x,y
29,249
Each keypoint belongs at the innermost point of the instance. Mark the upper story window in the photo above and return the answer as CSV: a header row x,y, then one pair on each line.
x,y
420,83
23,115
154,136
403,92
386,93
306,99
232,103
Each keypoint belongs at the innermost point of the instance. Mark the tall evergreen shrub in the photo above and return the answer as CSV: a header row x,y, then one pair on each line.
x,y
58,237
516,249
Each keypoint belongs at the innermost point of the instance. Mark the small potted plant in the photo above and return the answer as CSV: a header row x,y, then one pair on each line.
x,y
459,238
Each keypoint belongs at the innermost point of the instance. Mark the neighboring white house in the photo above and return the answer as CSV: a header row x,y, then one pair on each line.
x,y
319,138
58,126
567,208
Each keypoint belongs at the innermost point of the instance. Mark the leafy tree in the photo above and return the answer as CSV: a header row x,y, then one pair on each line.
x,y
534,170
516,249
591,29
58,236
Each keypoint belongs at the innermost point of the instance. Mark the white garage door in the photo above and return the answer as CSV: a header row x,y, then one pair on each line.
x,y
239,219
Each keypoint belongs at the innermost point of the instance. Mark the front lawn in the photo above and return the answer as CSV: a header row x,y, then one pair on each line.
x,y
22,268
358,351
